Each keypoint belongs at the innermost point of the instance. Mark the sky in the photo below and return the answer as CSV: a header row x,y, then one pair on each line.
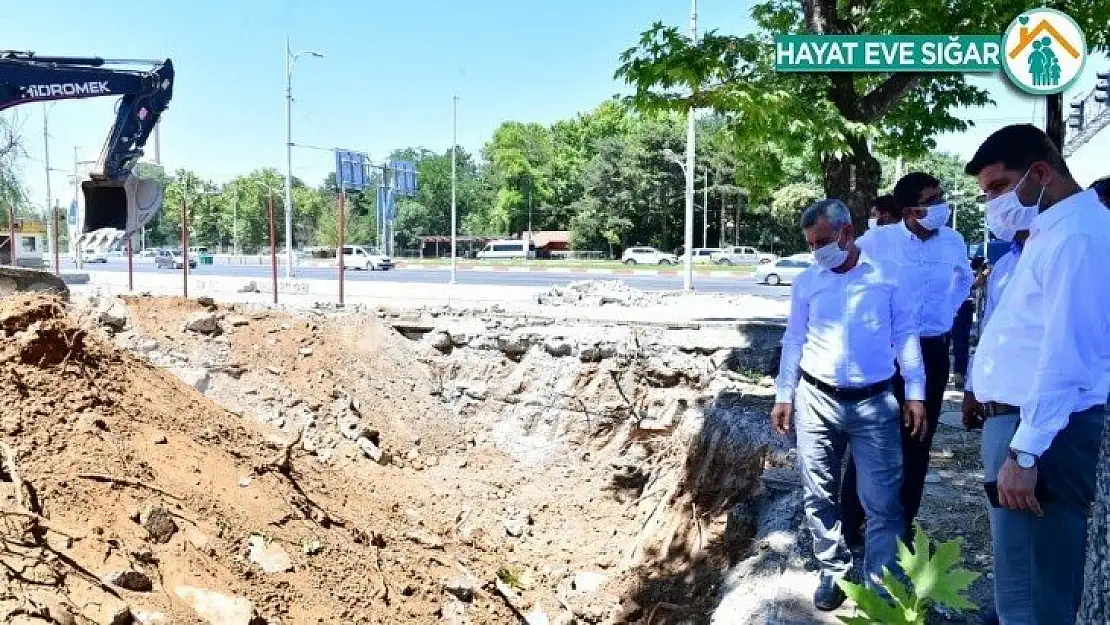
x,y
386,80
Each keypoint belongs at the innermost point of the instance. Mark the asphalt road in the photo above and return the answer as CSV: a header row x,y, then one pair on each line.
x,y
732,285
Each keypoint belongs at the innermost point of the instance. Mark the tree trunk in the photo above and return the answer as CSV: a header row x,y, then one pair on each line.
x,y
854,180
1095,609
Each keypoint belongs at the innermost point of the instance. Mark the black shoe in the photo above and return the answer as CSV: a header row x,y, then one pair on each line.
x,y
990,617
829,596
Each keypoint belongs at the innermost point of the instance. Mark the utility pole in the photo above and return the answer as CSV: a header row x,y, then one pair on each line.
x,y
688,234
705,210
454,184
46,157
75,233
290,59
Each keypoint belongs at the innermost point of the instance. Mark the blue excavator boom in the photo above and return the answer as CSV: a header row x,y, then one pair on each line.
x,y
114,198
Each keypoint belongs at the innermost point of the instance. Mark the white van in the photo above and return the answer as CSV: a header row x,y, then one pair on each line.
x,y
359,257
508,248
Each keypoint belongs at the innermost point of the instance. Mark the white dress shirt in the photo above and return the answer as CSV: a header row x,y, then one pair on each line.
x,y
846,328
937,269
1001,272
1047,347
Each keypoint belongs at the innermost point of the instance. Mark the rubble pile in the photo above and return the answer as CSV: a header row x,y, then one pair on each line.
x,y
601,293
503,468
128,497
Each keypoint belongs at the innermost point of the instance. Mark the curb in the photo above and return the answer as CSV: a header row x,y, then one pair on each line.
x,y
573,270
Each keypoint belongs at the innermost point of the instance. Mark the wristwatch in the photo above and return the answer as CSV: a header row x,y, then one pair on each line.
x,y
1024,460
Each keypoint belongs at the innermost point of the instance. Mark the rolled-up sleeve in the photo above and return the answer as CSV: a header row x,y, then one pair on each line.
x,y
1076,314
793,340
905,308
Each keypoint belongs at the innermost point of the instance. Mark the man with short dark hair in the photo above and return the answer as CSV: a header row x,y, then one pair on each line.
x,y
884,212
1044,356
848,322
933,258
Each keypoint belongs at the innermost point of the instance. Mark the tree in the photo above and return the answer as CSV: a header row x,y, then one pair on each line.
x,y
837,117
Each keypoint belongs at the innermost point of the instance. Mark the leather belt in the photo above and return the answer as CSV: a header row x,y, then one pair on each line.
x,y
996,409
847,393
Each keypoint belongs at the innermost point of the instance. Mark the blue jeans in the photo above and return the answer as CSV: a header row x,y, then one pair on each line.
x,y
826,426
1038,562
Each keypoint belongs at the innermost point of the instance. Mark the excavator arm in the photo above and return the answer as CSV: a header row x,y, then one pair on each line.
x,y
115,199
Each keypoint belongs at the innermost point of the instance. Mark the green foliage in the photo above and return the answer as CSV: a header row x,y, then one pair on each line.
x,y
935,579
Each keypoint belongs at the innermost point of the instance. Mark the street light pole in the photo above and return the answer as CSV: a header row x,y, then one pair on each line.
x,y
290,59
454,184
688,238
46,157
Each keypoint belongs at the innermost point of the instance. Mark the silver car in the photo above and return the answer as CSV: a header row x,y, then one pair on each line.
x,y
173,259
783,270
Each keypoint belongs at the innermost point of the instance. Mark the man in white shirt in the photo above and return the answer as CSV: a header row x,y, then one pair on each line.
x,y
1044,354
932,259
1011,549
848,322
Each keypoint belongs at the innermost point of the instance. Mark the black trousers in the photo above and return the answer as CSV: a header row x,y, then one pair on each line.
x,y
961,337
915,453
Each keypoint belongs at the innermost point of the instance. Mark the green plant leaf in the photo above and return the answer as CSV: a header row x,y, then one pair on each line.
x,y
872,604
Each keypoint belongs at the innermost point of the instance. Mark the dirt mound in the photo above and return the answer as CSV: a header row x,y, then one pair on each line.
x,y
126,496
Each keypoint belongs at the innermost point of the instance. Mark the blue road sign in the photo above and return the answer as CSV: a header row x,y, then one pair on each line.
x,y
72,217
404,177
350,170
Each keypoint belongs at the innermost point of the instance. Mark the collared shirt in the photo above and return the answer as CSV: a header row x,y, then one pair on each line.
x,y
1001,272
1046,349
846,328
937,268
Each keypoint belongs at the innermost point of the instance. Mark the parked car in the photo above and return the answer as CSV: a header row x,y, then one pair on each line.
x,y
172,259
366,259
642,255
702,255
742,255
94,256
149,252
507,249
783,270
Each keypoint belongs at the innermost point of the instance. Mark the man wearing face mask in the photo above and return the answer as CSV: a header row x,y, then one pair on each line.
x,y
848,322
883,212
932,258
1044,356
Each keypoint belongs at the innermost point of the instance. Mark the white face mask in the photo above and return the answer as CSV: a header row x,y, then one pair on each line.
x,y
1006,214
872,223
935,217
830,256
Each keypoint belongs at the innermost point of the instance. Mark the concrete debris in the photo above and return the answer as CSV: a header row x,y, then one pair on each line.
x,y
152,618
238,321
588,582
132,580
204,323
517,523
271,557
196,377
114,317
371,450
148,345
158,523
537,617
440,340
306,351
206,301
217,608
350,427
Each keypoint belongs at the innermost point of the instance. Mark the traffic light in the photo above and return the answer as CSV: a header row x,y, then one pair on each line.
x,y
1102,86
1075,119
